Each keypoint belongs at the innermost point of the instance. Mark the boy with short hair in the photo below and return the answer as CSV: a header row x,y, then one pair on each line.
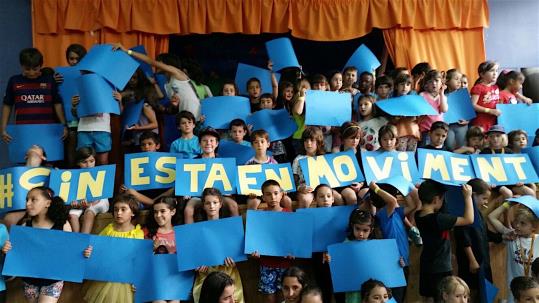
x,y
33,94
349,79
437,135
525,289
434,226
267,101
383,86
149,141
188,143
237,132
366,83
320,82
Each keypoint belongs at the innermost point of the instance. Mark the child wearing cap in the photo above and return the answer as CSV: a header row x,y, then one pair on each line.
x,y
496,141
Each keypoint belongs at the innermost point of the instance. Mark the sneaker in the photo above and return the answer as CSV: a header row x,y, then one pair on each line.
x,y
414,234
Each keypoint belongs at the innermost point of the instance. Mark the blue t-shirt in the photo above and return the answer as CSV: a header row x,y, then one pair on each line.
x,y
393,228
188,147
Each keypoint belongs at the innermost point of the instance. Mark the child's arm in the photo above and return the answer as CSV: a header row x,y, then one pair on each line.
x,y
523,98
274,82
6,112
7,247
474,266
481,109
299,103
152,119
494,216
140,197
59,110
443,99
464,150
412,202
467,218
391,202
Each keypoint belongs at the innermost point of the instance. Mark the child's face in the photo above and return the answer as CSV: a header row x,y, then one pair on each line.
x,y
437,137
237,133
458,296
87,163
212,205
490,75
455,82
377,295
464,82
288,93
520,141
365,84
433,85
266,103
229,90
186,126
320,86
310,146
404,88
291,289
476,142
324,197
253,89
482,199
351,142
365,107
31,72
495,140
349,78
122,213
530,295
387,142
311,298
208,144
260,145
149,145
272,196
37,203
383,91
35,152
72,58
228,295
362,231
515,85
523,227
163,214
336,82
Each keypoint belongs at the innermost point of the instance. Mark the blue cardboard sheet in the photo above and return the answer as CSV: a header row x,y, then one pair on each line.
x,y
504,169
408,106
230,149
279,234
100,58
150,170
355,262
335,169
519,116
48,136
110,256
131,113
95,96
68,88
489,291
533,154
220,111
209,243
193,175
363,59
16,182
459,107
251,177
145,67
330,225
158,279
281,53
245,72
444,167
382,165
400,183
44,253
528,201
454,204
90,184
327,108
3,237
278,123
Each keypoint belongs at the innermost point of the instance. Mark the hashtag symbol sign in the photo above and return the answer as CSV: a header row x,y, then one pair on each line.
x,y
6,191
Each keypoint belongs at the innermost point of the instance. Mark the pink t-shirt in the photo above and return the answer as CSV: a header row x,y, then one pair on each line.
x,y
162,240
425,122
489,96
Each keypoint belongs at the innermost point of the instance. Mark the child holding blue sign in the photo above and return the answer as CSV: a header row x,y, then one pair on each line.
x,y
510,85
432,90
456,137
485,95
350,137
370,123
407,127
212,203
160,226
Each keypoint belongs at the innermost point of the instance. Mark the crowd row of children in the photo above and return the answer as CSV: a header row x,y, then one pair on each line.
x,y
382,211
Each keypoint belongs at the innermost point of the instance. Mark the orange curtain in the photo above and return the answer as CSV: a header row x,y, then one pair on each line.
x,y
443,49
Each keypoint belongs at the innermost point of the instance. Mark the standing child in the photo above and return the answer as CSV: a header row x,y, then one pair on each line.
x,y
277,147
311,294
383,87
286,93
229,88
85,158
525,289
369,122
45,211
457,131
407,127
212,202
432,91
187,144
237,132
435,260
387,135
160,227
335,81
453,289
510,85
125,213
349,79
464,81
485,95
366,83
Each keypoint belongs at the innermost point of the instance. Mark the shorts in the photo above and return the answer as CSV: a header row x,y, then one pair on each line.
x,y
270,279
32,292
100,207
428,283
100,141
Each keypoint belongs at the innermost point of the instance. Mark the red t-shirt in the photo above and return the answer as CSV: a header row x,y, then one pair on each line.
x,y
507,97
489,96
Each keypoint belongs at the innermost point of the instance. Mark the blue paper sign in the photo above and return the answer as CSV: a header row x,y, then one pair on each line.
x,y
111,257
281,53
95,96
530,202
47,136
330,225
533,153
251,177
159,279
444,167
42,253
355,262
408,106
277,123
279,234
382,165
504,169
131,113
335,170
327,108
100,58
68,88
150,170
193,175
230,149
90,184
400,183
223,238
489,291
219,111
454,204
15,182
459,107
3,237
364,60
145,67
519,116
246,72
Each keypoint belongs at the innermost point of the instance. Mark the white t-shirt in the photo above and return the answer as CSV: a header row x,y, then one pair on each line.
x,y
515,265
188,98
96,123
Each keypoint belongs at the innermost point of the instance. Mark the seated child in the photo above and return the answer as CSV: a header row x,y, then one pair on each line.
x,y
383,86
518,140
525,289
495,140
187,144
237,131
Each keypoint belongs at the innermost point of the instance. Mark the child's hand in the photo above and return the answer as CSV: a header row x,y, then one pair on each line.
x,y
373,186
134,127
84,203
401,262
494,112
88,251
356,186
75,100
466,190
290,257
6,137
117,95
474,267
326,258
304,189
255,254
202,268
118,46
7,247
270,65
133,288
463,122
506,193
58,78
519,184
75,204
202,119
229,262
510,235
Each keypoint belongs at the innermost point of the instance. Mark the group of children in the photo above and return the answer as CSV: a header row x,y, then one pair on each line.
x,y
382,211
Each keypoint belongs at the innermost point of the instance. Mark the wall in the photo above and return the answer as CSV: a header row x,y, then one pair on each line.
x,y
16,33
